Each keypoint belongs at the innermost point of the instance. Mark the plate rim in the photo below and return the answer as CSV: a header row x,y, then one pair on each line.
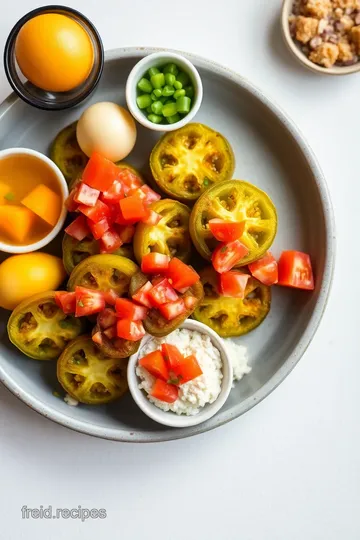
x,y
306,338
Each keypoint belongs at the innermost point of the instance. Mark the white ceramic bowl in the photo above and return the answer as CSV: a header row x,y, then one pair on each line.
x,y
64,193
169,418
160,59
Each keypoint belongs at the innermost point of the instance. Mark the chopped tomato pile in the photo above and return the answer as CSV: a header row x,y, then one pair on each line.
x,y
168,277
171,370
109,201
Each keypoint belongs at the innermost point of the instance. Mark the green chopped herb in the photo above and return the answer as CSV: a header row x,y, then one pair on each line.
x,y
56,394
9,196
175,381
80,303
206,181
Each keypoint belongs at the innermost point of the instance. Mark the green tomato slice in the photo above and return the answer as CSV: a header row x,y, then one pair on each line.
x,y
67,154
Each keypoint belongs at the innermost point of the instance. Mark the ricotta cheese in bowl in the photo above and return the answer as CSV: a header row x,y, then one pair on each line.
x,y
198,399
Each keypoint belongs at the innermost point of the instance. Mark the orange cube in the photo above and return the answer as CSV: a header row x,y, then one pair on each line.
x,y
45,203
16,222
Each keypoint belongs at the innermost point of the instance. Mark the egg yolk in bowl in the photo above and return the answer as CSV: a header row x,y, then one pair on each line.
x,y
54,52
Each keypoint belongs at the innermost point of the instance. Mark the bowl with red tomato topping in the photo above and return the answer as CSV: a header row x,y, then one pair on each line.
x,y
183,378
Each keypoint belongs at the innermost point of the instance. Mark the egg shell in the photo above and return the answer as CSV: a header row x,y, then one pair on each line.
x,y
106,128
22,276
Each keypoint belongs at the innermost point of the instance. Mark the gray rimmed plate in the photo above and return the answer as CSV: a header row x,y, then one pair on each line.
x,y
271,153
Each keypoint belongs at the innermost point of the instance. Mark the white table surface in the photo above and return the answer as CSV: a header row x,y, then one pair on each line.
x,y
290,468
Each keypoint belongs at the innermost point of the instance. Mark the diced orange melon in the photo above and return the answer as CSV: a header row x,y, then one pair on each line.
x,y
16,222
4,190
45,203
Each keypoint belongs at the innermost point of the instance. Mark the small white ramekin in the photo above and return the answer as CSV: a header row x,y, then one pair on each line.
x,y
168,418
64,194
155,60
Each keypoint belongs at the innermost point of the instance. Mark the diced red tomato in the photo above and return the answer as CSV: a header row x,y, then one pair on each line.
x,y
150,195
155,364
226,256
295,270
162,293
233,284
99,172
114,194
95,213
70,204
188,370
155,263
110,297
110,241
111,332
164,391
151,218
107,318
126,233
128,179
66,301
88,301
97,338
172,356
131,330
86,195
136,192
190,302
126,309
78,228
226,231
99,228
142,295
173,309
132,209
181,275
265,269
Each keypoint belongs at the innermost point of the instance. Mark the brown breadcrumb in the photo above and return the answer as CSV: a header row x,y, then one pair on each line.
x,y
325,55
345,52
355,38
346,4
317,8
306,28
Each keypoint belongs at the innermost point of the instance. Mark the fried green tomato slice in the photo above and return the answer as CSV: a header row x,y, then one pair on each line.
x,y
154,323
115,347
186,162
231,317
89,376
170,236
40,329
235,200
67,154
102,273
75,251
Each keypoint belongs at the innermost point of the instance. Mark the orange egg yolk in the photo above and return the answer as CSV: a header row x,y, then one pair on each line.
x,y
54,52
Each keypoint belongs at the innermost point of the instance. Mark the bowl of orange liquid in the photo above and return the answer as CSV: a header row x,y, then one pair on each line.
x,y
32,195
53,58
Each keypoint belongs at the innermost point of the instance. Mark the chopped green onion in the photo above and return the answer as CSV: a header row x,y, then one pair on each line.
x,y
183,78
183,104
145,86
157,107
179,93
189,91
154,97
158,80
163,99
168,90
173,119
153,71
158,92
149,110
177,85
155,118
170,79
169,109
169,101
171,68
143,101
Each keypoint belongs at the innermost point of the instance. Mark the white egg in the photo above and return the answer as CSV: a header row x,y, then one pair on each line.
x,y
106,128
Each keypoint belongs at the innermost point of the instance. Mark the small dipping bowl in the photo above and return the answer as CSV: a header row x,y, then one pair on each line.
x,y
43,99
169,418
9,248
160,59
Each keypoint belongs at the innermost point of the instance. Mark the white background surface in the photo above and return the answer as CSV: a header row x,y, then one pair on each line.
x,y
290,468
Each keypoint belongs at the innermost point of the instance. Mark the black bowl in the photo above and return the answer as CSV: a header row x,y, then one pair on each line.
x,y
43,99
